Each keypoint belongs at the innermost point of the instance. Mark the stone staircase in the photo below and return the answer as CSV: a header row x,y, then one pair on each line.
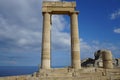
x,y
71,74
114,74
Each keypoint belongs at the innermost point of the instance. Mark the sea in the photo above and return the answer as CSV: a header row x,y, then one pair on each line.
x,y
19,70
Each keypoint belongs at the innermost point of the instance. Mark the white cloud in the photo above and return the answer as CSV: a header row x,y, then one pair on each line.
x,y
85,46
117,30
95,42
88,49
11,62
115,15
23,26
20,23
60,38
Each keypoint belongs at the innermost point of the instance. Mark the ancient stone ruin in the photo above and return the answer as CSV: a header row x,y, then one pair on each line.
x,y
99,59
102,67
60,8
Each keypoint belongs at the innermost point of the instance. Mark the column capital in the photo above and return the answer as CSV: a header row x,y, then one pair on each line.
x,y
46,12
74,12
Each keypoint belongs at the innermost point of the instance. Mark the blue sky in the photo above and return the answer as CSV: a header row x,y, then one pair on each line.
x,y
21,30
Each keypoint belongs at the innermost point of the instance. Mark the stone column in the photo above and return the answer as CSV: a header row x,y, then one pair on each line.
x,y
75,46
45,58
107,59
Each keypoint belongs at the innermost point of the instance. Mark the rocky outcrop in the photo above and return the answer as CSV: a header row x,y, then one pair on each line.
x,y
89,62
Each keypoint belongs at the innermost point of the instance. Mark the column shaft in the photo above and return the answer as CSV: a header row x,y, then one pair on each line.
x,y
107,59
75,45
45,63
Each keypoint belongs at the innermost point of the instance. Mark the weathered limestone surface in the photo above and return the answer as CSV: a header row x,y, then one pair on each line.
x,y
72,74
45,63
75,46
58,7
68,8
107,59
103,59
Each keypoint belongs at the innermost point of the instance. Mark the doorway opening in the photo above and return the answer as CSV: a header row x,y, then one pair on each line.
x,y
60,41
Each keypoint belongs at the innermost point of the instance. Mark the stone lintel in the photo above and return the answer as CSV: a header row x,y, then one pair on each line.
x,y
62,12
58,4
77,12
58,7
